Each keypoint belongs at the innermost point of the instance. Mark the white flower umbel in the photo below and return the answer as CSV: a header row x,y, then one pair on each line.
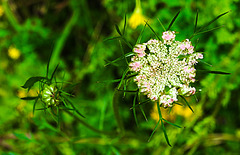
x,y
165,68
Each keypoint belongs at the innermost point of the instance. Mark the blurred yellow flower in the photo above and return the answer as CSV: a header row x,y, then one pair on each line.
x,y
1,11
13,53
137,18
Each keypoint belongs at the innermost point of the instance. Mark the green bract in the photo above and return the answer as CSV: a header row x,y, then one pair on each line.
x,y
50,95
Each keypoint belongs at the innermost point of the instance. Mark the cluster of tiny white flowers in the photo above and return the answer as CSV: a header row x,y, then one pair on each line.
x,y
165,68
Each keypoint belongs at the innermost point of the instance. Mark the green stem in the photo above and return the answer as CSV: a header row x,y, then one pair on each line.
x,y
89,126
10,16
116,111
60,42
138,4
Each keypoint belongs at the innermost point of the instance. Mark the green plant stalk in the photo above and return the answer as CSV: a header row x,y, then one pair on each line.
x,y
10,16
61,41
89,126
116,111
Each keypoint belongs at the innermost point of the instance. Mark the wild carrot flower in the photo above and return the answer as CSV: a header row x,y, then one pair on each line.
x,y
165,69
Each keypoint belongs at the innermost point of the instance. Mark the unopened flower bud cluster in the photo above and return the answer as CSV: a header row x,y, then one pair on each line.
x,y
165,68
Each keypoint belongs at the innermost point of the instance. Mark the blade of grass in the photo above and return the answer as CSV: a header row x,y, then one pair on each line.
x,y
140,36
125,23
144,115
161,24
118,30
70,102
134,109
120,43
187,103
142,103
112,38
215,28
209,23
162,124
152,30
205,63
127,42
214,72
128,91
34,105
165,133
173,20
120,58
123,76
54,72
153,131
196,20
172,123
29,98
109,81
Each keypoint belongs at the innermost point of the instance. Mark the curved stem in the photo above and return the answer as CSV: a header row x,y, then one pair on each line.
x,y
89,126
10,16
116,111
60,42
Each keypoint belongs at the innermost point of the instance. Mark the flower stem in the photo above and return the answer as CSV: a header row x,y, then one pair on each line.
x,y
60,42
10,16
89,126
116,111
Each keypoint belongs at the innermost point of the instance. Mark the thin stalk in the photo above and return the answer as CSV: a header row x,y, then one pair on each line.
x,y
62,39
91,127
116,111
10,16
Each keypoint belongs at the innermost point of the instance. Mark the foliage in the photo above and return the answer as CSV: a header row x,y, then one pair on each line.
x,y
79,36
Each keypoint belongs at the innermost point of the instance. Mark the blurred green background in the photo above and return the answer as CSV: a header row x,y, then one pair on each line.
x,y
74,32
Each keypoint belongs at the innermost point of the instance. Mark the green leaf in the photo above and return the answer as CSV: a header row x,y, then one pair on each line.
x,y
171,123
196,20
144,115
125,23
217,72
21,136
142,103
204,62
54,72
186,103
118,30
213,72
165,133
112,38
209,23
34,105
128,91
120,43
134,110
153,131
123,76
140,36
161,24
48,63
31,81
120,58
109,81
153,31
127,42
173,20
29,98
70,102
215,28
